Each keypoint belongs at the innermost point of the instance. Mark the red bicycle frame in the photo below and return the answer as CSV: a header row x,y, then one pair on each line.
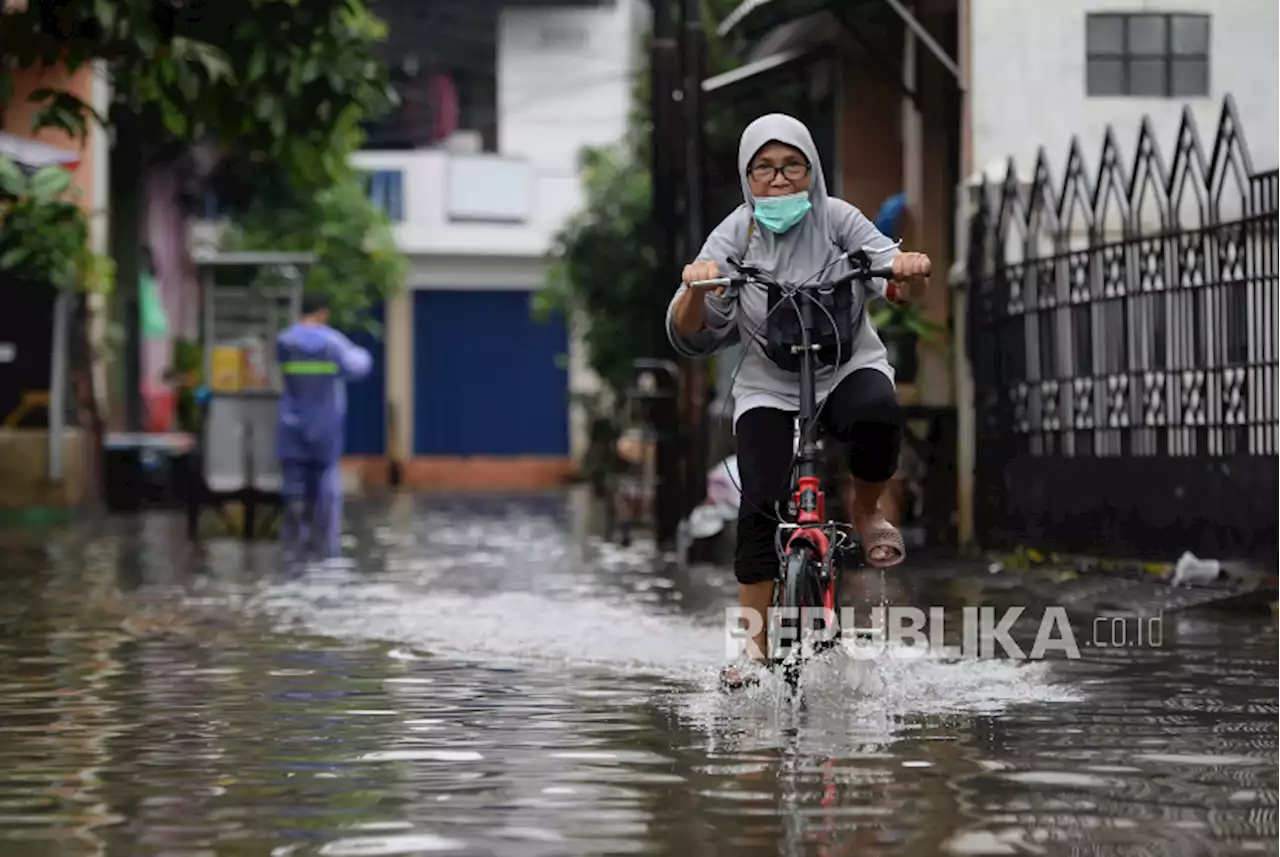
x,y
808,501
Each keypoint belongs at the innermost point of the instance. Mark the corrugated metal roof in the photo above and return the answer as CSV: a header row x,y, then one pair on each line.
x,y
763,14
752,69
736,17
205,258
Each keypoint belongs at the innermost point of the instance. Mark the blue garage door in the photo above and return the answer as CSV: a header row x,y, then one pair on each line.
x,y
367,399
487,377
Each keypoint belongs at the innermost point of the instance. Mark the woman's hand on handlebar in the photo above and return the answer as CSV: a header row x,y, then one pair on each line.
x,y
697,271
910,272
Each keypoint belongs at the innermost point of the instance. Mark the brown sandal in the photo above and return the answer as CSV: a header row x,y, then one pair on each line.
x,y
738,676
883,536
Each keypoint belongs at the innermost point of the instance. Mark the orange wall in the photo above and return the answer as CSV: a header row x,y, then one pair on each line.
x,y
19,112
870,156
872,162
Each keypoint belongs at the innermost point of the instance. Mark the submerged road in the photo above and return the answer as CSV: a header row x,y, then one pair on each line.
x,y
486,679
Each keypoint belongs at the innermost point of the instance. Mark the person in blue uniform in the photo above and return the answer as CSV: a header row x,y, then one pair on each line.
x,y
317,363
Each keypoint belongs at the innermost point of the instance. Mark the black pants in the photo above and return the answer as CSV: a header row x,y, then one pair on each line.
x,y
862,412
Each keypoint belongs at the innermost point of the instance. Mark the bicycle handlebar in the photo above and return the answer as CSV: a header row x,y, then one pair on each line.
x,y
739,280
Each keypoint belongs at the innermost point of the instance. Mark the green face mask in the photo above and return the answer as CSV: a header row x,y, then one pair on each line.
x,y
780,213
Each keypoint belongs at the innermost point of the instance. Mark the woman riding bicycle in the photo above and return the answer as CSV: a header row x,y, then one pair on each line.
x,y
791,230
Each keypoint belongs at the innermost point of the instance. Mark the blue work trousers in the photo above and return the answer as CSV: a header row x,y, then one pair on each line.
x,y
312,494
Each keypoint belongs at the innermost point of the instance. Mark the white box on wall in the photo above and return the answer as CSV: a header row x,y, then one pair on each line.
x,y
489,188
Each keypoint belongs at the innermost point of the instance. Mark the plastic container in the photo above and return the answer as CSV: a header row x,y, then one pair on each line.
x,y
254,365
226,369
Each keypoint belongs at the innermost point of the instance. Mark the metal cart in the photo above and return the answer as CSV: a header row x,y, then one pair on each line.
x,y
636,485
235,457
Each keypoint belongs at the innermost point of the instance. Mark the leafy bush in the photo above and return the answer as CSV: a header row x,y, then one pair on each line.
x,y
44,232
605,267
357,262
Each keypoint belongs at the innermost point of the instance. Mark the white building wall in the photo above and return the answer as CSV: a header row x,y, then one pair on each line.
x,y
1028,81
565,78
483,221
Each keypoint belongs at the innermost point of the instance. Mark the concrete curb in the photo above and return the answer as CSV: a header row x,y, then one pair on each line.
x,y
1241,582
1026,558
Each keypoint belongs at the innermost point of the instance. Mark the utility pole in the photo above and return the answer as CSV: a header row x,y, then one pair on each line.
x,y
125,166
693,52
664,71
695,373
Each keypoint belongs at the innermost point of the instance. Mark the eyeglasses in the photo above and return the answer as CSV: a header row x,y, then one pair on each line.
x,y
792,172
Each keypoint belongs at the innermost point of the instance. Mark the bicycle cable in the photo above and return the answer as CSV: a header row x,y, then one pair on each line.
x,y
817,414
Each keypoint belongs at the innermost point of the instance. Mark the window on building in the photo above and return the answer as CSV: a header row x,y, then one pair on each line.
x,y
384,187
1151,56
386,190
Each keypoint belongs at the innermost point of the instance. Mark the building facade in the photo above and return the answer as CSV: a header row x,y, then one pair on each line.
x,y
479,170
44,463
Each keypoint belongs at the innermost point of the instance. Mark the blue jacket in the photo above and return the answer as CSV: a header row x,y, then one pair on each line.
x,y
317,362
889,218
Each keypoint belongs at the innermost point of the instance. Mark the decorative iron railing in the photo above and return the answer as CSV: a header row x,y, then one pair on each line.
x,y
1123,329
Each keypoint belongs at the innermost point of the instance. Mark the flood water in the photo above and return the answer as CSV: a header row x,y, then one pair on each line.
x,y
485,679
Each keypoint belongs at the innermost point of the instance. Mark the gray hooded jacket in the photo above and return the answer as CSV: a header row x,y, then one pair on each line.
x,y
832,227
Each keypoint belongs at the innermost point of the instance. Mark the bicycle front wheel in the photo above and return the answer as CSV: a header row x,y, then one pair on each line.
x,y
794,596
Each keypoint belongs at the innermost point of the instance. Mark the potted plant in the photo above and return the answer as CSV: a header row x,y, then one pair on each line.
x,y
901,328
186,374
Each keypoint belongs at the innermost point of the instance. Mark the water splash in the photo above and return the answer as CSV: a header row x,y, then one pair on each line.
x,y
515,591
625,637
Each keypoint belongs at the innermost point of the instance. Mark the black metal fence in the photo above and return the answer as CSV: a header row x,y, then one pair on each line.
x,y
1123,329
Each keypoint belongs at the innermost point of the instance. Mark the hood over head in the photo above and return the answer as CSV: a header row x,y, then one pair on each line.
x,y
800,252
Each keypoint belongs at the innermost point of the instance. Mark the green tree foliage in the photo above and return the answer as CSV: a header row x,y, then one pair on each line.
x,y
605,272
606,255
44,240
279,84
261,100
605,266
357,261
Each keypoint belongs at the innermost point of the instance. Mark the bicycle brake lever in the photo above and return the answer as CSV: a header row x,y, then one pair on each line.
x,y
866,248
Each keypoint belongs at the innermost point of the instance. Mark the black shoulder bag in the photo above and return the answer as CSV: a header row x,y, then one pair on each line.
x,y
833,330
